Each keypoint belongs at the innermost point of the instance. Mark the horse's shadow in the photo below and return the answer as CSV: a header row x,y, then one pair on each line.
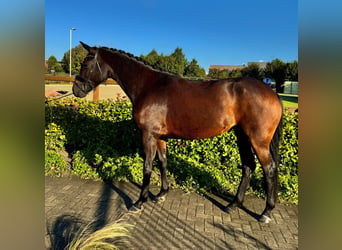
x,y
67,227
64,229
229,198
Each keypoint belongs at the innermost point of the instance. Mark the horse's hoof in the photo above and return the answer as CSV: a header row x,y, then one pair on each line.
x,y
264,219
160,199
134,210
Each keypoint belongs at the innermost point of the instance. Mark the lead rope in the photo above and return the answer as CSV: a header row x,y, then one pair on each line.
x,y
47,102
59,97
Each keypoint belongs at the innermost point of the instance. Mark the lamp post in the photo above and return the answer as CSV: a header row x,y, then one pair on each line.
x,y
70,50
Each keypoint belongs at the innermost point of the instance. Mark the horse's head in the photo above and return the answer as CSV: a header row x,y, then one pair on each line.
x,y
93,72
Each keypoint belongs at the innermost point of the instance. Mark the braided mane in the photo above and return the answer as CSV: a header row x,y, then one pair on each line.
x,y
137,59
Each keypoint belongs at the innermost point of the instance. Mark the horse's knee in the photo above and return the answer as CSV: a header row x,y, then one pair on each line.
x,y
147,172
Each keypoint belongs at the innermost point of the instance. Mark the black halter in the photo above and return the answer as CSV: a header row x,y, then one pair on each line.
x,y
87,81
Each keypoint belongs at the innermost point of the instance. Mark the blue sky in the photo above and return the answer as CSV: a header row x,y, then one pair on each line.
x,y
212,32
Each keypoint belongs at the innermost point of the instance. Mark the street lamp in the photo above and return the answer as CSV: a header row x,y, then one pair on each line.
x,y
70,50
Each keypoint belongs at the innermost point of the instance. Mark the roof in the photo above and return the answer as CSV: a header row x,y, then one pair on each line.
x,y
262,65
227,67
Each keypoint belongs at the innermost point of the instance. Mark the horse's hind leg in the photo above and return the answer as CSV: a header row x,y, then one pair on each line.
x,y
150,148
161,150
248,167
270,170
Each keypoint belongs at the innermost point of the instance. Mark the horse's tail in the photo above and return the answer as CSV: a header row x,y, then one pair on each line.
x,y
274,145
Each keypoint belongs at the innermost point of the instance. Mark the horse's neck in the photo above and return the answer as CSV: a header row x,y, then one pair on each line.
x,y
130,75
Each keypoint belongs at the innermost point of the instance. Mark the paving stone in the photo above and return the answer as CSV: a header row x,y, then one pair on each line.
x,y
208,208
218,219
200,210
182,214
183,221
226,218
279,238
199,225
271,242
216,211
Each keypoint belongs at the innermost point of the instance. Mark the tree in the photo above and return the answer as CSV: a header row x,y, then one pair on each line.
x,y
236,73
292,71
54,64
77,56
179,61
213,73
194,70
175,63
151,58
165,63
218,74
277,70
252,70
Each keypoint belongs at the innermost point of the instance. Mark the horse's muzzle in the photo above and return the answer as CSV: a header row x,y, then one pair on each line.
x,y
80,88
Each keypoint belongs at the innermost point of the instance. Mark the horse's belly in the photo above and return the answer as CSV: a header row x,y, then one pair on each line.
x,y
195,120
198,130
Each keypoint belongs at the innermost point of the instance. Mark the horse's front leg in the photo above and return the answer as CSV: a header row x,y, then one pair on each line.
x,y
248,166
162,166
150,148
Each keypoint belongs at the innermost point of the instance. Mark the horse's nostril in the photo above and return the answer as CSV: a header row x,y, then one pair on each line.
x,y
78,89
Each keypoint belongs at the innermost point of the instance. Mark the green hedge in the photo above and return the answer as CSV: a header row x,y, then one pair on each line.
x,y
103,143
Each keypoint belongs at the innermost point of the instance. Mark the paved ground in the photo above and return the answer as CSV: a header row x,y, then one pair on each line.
x,y
183,221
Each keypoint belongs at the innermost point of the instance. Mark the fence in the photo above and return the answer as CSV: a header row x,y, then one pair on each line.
x,y
96,92
291,87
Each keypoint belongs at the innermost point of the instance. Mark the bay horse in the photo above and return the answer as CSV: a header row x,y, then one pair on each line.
x,y
167,106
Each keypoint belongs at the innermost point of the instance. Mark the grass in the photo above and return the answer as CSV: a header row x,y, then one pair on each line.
x,y
112,236
289,101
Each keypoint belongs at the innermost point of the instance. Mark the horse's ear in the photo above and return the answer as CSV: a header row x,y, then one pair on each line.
x,y
87,47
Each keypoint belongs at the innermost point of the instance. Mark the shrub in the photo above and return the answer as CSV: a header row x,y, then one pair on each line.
x,y
105,144
55,164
